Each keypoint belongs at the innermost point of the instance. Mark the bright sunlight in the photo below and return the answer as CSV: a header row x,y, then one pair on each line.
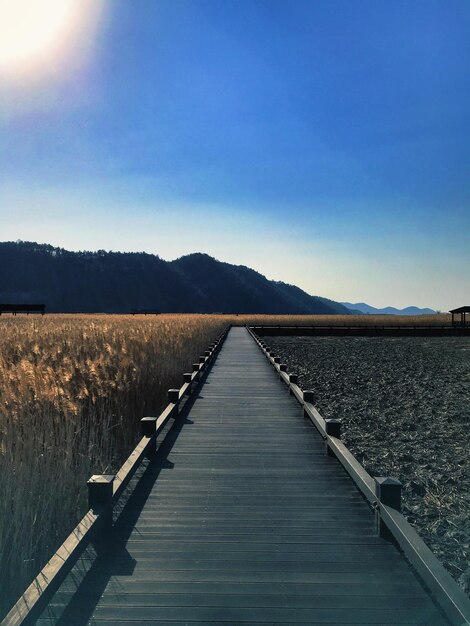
x,y
36,31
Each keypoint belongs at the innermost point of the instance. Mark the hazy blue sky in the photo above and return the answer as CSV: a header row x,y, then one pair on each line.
x,y
323,142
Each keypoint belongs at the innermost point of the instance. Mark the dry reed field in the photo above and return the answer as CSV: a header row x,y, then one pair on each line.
x,y
405,408
72,391
441,319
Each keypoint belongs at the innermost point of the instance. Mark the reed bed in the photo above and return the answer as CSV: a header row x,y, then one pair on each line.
x,y
438,319
72,392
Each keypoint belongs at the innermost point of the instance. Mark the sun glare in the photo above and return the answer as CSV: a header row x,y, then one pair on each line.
x,y
32,31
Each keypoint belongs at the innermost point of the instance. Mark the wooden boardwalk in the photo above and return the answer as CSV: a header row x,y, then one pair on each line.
x,y
242,519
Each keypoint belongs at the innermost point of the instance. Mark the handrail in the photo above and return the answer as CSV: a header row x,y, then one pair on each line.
x,y
352,326
129,467
445,590
358,473
447,593
34,600
361,329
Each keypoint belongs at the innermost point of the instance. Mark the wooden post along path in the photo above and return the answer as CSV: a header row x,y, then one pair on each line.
x,y
243,517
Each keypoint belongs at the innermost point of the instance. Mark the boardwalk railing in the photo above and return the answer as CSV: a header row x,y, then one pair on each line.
x,y
383,495
411,330
103,493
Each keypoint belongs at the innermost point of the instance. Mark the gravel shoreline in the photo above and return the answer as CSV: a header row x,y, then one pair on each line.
x,y
405,407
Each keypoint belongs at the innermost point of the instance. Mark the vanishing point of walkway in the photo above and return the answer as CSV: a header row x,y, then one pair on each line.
x,y
243,519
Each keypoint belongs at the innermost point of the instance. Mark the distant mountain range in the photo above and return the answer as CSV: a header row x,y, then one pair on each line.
x,y
363,308
117,282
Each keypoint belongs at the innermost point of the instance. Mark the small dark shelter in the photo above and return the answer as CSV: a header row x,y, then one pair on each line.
x,y
23,308
462,311
145,311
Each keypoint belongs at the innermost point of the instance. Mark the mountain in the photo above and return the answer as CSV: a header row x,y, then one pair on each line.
x,y
117,282
362,307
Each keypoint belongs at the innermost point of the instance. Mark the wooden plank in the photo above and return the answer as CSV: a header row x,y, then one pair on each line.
x,y
274,599
358,589
145,614
272,577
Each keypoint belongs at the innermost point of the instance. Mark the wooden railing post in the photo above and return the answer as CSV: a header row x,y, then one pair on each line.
x,y
293,379
100,495
148,428
100,491
173,398
388,491
187,377
307,397
333,428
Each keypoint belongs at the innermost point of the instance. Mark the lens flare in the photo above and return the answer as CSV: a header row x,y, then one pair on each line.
x,y
35,31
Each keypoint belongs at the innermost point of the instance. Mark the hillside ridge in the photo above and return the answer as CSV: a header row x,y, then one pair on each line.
x,y
118,282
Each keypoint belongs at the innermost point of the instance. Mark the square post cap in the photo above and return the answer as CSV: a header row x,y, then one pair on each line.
x,y
333,428
148,426
388,491
173,396
100,491
308,396
100,479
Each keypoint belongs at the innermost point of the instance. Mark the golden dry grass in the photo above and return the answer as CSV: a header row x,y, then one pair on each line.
x,y
72,391
343,320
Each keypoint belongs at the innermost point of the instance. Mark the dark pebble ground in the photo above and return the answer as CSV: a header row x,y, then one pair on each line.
x,y
405,407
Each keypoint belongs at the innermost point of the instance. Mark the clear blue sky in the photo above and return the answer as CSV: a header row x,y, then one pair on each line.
x,y
323,142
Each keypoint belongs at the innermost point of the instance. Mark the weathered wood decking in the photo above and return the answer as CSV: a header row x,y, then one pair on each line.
x,y
242,519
